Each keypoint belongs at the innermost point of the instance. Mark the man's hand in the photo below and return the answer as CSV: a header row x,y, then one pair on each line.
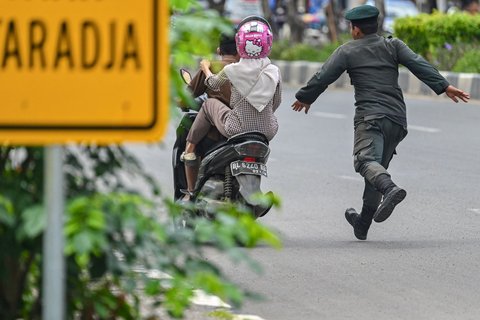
x,y
299,106
455,93
205,65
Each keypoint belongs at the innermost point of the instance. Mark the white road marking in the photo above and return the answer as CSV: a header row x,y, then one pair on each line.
x,y
359,179
246,317
474,210
423,129
329,115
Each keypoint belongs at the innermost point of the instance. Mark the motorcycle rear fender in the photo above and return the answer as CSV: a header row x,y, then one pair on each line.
x,y
249,185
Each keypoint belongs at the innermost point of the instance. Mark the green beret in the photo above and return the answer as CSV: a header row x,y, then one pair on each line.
x,y
362,12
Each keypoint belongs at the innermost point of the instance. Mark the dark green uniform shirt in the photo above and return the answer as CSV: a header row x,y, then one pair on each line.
x,y
372,64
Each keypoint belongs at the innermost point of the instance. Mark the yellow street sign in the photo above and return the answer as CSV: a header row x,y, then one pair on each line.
x,y
89,71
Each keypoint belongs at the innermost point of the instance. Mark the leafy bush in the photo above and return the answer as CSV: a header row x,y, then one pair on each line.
x,y
114,241
470,62
23,218
440,38
412,31
447,56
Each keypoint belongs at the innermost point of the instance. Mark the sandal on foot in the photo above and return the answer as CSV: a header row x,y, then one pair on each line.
x,y
187,196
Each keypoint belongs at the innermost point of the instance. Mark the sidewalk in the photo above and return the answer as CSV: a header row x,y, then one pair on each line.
x,y
297,73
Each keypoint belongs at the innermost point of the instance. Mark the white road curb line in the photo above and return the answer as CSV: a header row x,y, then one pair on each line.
x,y
246,317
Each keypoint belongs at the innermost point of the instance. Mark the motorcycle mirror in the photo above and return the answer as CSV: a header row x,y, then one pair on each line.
x,y
186,76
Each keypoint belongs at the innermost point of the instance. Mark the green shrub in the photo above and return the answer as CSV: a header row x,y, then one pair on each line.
x,y
113,241
440,38
448,56
412,30
470,62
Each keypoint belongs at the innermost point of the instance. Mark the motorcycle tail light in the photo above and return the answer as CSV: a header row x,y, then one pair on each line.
x,y
249,159
252,149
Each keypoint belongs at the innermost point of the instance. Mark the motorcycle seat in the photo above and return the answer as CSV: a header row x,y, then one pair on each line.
x,y
241,137
253,135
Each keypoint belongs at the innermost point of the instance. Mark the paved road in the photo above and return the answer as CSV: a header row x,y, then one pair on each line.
x,y
422,263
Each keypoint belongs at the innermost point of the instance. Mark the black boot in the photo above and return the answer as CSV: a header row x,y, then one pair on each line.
x,y
360,225
392,195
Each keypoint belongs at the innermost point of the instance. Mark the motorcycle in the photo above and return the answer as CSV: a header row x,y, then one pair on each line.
x,y
230,171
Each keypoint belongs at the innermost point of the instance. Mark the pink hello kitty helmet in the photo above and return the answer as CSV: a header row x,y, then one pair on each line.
x,y
254,38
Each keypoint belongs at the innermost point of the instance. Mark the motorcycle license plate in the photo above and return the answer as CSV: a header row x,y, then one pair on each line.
x,y
243,167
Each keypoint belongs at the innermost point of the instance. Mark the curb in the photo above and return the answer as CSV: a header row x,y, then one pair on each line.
x,y
297,73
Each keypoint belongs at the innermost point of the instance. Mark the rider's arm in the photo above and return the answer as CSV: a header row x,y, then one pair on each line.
x,y
197,85
216,81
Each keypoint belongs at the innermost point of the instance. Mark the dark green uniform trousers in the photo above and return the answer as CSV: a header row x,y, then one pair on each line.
x,y
375,141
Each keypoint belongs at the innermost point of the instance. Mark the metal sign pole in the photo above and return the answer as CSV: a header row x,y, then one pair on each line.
x,y
53,243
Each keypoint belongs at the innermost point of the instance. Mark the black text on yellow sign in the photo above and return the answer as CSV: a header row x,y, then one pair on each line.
x,y
67,54
83,70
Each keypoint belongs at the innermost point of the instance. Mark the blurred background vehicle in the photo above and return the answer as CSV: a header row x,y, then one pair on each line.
x,y
396,9
315,20
236,10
